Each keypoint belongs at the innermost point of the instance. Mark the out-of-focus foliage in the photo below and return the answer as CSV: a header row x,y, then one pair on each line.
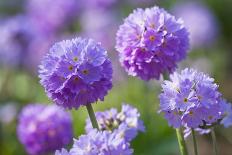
x,y
19,84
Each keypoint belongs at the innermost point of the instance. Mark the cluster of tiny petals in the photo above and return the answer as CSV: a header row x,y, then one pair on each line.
x,y
191,99
151,42
76,72
126,123
98,143
43,129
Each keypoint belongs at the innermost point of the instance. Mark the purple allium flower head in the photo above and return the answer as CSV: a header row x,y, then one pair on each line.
x,y
101,143
76,72
44,128
48,15
195,14
151,42
125,123
191,99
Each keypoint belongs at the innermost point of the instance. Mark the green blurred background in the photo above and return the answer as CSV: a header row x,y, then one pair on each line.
x,y
20,86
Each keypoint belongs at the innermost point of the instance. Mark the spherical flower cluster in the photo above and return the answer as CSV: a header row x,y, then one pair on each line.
x,y
191,99
76,72
43,129
99,143
151,42
125,123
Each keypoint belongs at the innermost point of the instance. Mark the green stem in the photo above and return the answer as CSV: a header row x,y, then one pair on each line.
x,y
213,135
181,141
194,142
92,116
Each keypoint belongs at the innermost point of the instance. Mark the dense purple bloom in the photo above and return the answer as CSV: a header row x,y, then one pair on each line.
x,y
191,99
199,20
48,16
125,123
101,143
76,72
151,42
44,128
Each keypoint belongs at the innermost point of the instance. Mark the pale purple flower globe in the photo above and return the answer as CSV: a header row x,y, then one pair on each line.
x,y
101,143
191,99
126,123
76,72
43,129
151,42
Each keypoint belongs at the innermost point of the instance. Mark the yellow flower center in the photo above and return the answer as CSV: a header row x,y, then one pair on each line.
x,y
85,71
70,67
76,79
190,113
152,38
75,59
185,100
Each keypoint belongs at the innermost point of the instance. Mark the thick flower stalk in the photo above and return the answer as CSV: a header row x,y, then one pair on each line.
x,y
43,129
76,73
126,123
99,143
150,42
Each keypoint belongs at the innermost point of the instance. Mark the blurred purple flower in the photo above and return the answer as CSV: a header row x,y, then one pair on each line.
x,y
76,72
101,20
191,99
200,21
151,42
49,16
44,128
16,34
125,123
